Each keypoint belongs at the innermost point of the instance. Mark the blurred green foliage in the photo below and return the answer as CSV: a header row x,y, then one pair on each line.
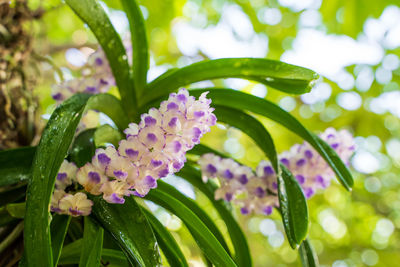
x,y
360,228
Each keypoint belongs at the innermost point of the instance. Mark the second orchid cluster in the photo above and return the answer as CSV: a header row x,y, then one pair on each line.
x,y
152,149
256,192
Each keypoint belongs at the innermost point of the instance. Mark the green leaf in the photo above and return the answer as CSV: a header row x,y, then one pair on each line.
x,y
58,228
307,255
5,217
107,134
250,126
92,243
71,255
82,148
12,194
53,146
140,53
201,149
285,77
243,101
130,228
91,12
192,205
15,165
166,241
202,235
242,252
293,207
16,210
112,107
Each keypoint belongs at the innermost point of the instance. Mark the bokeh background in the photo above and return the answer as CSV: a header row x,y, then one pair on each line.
x,y
354,45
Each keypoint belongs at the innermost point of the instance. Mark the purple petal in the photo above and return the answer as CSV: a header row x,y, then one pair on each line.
x,y
181,97
268,170
308,154
94,177
156,163
131,153
98,61
172,105
198,114
267,210
274,185
57,96
103,159
164,172
244,211
228,174
243,179
152,137
120,174
228,196
61,176
75,212
211,169
91,89
172,122
116,199
300,162
285,162
177,165
150,181
308,192
300,178
259,192
149,121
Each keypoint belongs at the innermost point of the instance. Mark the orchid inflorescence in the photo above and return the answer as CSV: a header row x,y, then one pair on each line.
x,y
96,76
152,149
257,191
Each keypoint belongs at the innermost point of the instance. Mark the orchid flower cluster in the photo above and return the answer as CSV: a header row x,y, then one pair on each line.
x,y
96,76
257,192
152,149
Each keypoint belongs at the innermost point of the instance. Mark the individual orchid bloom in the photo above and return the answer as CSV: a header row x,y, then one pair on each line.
x,y
66,175
75,205
208,164
266,172
103,157
55,199
132,148
91,178
114,191
121,168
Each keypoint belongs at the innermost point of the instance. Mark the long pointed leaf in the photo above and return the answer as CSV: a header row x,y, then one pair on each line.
x,y
293,207
92,244
252,127
58,227
167,242
140,53
94,16
130,228
15,165
307,255
192,205
203,236
50,153
285,77
71,255
242,252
